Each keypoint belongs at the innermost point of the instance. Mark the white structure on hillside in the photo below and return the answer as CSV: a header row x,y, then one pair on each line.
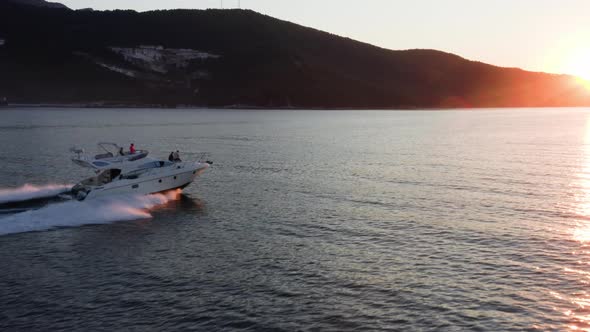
x,y
159,59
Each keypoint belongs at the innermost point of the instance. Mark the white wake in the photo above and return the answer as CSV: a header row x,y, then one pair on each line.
x,y
75,213
29,192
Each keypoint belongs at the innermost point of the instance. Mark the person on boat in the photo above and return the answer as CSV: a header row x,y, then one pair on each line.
x,y
121,152
176,156
171,156
132,148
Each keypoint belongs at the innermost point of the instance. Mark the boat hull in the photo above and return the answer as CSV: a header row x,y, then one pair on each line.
x,y
149,185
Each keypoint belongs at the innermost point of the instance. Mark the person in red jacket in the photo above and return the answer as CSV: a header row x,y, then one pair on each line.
x,y
132,148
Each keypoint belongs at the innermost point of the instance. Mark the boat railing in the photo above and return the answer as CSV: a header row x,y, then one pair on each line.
x,y
81,156
203,156
139,154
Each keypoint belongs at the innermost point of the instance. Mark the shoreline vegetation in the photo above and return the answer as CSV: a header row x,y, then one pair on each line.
x,y
246,107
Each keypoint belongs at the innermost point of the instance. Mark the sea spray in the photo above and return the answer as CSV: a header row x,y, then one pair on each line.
x,y
30,192
75,213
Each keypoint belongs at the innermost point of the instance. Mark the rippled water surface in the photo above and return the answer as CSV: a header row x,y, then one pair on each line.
x,y
308,220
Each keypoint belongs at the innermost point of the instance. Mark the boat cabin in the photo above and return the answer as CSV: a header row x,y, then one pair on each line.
x,y
145,168
102,178
111,174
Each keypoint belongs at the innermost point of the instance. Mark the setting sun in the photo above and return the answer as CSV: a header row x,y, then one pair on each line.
x,y
578,64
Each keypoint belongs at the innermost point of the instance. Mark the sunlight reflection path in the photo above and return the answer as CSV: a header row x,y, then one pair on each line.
x,y
579,315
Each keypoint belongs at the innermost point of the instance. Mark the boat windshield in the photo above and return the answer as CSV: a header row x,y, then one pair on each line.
x,y
145,168
156,164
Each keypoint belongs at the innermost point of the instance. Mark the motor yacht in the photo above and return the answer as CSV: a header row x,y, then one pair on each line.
x,y
132,173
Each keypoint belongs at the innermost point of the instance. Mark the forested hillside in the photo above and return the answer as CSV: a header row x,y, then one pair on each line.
x,y
240,57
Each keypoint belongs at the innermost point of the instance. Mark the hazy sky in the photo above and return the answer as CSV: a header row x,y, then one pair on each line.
x,y
541,35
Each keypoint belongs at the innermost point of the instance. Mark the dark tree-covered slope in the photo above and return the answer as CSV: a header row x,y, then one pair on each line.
x,y
38,3
240,57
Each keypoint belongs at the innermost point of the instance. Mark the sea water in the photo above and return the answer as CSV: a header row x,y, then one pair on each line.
x,y
307,220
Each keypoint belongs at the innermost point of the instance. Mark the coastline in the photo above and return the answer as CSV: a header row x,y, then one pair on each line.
x,y
247,107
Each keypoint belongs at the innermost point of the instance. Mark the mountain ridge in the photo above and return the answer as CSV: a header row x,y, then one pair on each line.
x,y
217,58
39,3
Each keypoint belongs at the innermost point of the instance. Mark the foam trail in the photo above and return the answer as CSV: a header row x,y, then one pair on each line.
x,y
75,213
30,192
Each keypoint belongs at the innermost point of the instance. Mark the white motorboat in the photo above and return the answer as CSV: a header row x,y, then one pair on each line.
x,y
132,174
